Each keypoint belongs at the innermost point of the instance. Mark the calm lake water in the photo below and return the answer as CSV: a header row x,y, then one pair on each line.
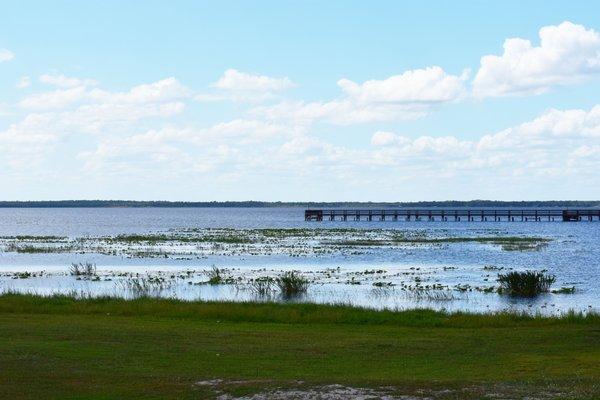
x,y
572,255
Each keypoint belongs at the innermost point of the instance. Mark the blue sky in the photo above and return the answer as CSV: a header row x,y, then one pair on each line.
x,y
382,101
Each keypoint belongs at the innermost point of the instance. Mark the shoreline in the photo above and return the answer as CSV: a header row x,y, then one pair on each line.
x,y
279,312
291,204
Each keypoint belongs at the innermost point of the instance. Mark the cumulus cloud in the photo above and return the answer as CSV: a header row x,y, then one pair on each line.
x,y
131,134
240,86
557,143
65,81
237,144
339,112
237,131
381,138
235,80
41,128
409,95
424,152
6,55
55,116
54,100
429,85
167,90
567,53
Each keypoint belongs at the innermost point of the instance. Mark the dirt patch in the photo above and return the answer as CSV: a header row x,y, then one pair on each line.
x,y
340,392
329,392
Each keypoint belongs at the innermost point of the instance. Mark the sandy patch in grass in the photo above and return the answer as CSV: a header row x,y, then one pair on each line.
x,y
329,392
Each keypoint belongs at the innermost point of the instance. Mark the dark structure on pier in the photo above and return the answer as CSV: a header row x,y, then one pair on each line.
x,y
436,214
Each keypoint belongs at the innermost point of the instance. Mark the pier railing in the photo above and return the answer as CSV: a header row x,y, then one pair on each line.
x,y
453,214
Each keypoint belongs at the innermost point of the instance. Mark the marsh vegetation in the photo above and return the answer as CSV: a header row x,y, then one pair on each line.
x,y
379,285
525,284
86,269
292,284
292,242
146,287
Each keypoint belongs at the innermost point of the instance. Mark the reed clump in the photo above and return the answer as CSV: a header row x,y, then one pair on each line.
x,y
83,269
292,284
525,283
215,276
263,287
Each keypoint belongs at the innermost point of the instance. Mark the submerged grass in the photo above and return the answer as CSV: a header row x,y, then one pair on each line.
x,y
31,249
162,238
507,242
146,287
33,237
478,239
565,290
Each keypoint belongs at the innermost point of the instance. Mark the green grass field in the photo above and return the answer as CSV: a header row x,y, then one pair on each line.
x,y
61,348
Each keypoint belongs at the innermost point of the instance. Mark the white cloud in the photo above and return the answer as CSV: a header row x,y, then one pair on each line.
x,y
57,99
568,53
423,151
81,112
237,144
130,133
586,151
340,112
409,95
557,143
6,55
382,138
238,132
116,117
429,85
234,80
245,87
167,92
65,81
24,145
168,89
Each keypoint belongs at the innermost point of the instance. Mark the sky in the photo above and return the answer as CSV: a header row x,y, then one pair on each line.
x,y
300,101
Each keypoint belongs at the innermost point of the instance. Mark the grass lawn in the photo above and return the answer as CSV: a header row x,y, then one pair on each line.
x,y
61,348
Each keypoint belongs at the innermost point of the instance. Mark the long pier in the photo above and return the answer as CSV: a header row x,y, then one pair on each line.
x,y
437,214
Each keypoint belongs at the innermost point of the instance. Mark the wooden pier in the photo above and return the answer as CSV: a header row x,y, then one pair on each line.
x,y
436,214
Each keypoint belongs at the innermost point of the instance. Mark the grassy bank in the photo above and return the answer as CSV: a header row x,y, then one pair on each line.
x,y
59,347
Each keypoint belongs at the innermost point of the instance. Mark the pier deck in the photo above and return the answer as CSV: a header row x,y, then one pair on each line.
x,y
436,214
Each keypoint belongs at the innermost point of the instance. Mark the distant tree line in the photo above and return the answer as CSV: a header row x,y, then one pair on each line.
x,y
258,204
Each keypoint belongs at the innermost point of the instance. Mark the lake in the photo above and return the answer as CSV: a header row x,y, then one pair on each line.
x,y
380,264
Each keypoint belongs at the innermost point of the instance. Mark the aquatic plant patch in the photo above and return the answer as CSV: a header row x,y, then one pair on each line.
x,y
525,283
228,242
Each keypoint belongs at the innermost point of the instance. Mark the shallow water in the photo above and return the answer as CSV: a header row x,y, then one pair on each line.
x,y
463,269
